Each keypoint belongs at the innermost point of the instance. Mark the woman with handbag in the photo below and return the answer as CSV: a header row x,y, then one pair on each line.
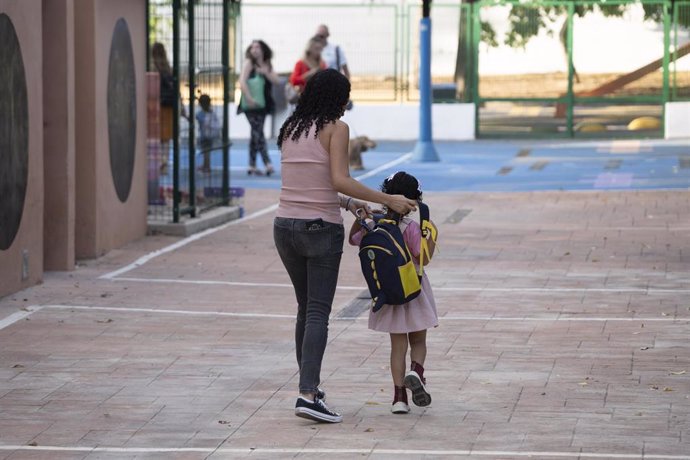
x,y
256,81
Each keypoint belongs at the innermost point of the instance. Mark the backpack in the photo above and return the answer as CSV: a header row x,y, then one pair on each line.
x,y
387,263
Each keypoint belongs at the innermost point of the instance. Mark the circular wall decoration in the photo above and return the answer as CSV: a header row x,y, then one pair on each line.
x,y
122,109
14,133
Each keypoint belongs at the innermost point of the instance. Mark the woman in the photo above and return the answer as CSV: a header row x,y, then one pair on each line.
x,y
167,100
256,81
308,228
310,63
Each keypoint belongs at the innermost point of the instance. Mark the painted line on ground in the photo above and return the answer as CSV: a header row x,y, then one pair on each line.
x,y
435,288
169,311
190,239
183,242
223,283
372,451
348,318
18,316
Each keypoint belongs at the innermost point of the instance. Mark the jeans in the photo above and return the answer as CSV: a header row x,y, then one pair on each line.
x,y
312,259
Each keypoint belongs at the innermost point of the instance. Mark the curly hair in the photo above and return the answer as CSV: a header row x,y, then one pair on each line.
x,y
322,101
402,183
266,51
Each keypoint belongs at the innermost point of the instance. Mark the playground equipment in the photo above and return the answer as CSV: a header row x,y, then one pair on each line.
x,y
618,83
642,123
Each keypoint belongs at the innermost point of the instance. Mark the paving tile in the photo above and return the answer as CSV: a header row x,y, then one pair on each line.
x,y
518,363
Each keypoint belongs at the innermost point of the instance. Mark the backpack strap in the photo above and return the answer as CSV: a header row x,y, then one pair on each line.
x,y
428,231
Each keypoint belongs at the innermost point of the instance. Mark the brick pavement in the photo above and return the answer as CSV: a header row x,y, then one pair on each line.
x,y
563,333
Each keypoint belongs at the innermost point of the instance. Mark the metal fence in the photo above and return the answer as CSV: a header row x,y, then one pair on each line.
x,y
580,68
199,38
551,68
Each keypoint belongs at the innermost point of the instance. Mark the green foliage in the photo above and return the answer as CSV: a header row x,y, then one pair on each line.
x,y
526,20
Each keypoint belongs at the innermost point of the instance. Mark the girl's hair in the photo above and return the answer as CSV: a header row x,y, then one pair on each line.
x,y
265,50
402,183
160,59
323,101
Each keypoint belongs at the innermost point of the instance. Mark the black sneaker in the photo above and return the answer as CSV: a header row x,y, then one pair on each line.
x,y
316,410
320,394
420,396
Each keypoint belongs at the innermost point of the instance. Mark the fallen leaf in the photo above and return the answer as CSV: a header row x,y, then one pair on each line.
x,y
654,387
677,372
109,320
372,403
583,384
664,314
668,389
369,430
644,348
17,366
223,422
32,443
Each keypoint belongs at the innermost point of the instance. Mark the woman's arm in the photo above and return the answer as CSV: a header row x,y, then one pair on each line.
x,y
344,183
244,76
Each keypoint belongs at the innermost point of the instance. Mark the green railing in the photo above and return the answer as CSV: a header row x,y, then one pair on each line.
x,y
582,88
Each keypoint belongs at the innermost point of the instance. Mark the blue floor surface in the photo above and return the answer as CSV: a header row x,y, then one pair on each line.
x,y
508,166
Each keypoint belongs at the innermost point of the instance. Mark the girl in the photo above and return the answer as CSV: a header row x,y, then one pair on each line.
x,y
257,64
406,323
308,228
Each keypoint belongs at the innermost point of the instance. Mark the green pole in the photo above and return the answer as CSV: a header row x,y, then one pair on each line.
x,y
225,58
192,83
571,72
176,111
476,37
667,46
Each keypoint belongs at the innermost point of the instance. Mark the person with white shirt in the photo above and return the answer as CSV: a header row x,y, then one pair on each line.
x,y
332,54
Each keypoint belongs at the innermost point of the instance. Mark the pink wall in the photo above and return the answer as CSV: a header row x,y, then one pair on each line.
x,y
58,111
26,18
103,222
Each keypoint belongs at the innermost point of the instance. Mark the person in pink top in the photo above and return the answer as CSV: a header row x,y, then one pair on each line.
x,y
406,323
308,228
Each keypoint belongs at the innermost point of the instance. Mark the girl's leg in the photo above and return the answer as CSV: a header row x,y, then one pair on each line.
x,y
418,347
414,379
398,355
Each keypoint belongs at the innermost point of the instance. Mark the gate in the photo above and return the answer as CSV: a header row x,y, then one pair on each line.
x,y
187,177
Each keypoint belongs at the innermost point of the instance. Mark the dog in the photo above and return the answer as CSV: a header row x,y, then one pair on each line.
x,y
358,145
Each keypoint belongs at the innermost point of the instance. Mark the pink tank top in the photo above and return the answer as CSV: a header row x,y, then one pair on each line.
x,y
307,191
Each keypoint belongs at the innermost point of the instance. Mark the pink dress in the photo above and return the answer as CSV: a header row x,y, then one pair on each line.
x,y
418,314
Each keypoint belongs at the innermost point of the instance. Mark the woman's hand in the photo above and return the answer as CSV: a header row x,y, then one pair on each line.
x,y
355,205
400,204
251,103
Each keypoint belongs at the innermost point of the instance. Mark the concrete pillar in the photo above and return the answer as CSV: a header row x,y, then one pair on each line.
x,y
58,140
21,145
110,116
